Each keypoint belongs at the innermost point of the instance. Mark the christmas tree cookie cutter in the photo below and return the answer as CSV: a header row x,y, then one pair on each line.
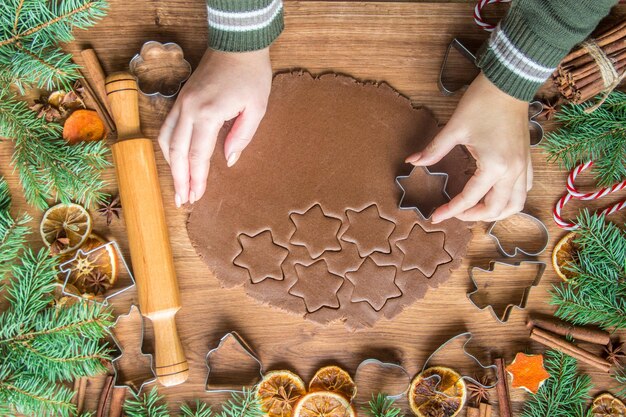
x,y
124,283
406,205
242,348
511,251
142,380
534,108
521,305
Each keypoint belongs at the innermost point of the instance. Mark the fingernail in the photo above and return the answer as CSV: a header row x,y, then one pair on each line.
x,y
412,160
177,200
233,158
192,197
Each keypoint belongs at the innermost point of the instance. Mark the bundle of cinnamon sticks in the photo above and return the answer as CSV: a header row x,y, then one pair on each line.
x,y
579,77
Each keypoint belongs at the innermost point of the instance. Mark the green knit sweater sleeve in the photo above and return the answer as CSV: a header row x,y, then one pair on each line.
x,y
533,38
244,25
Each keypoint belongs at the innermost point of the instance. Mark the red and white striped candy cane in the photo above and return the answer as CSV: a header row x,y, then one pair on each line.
x,y
478,9
571,187
573,193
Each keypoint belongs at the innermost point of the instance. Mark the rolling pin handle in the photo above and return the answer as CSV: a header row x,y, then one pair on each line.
x,y
171,366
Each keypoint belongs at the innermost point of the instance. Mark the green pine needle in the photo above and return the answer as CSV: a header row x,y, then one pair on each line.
x,y
382,406
599,136
49,169
597,294
149,404
564,394
200,410
42,345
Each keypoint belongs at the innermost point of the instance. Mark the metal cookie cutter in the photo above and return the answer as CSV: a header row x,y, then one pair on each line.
x,y
509,307
383,365
403,205
545,237
239,344
130,383
534,108
124,283
473,358
161,69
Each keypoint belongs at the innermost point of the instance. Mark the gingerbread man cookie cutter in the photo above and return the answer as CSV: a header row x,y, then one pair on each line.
x,y
521,305
534,108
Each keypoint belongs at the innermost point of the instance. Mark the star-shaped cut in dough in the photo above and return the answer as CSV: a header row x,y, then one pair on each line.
x,y
261,256
368,230
316,231
528,372
316,286
374,284
423,250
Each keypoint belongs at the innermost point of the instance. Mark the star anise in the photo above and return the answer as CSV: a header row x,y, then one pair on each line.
x,y
61,241
549,110
614,353
46,110
97,283
110,208
478,392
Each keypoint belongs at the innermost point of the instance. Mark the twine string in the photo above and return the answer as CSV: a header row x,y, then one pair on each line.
x,y
610,77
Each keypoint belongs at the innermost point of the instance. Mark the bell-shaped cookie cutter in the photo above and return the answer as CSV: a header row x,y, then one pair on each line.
x,y
401,204
148,356
65,268
534,108
509,307
372,361
469,336
545,237
245,348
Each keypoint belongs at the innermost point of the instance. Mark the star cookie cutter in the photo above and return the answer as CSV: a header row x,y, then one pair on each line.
x,y
534,108
384,365
545,237
241,344
473,358
136,388
511,306
109,247
402,204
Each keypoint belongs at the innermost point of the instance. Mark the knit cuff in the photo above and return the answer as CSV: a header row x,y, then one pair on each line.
x,y
244,25
516,59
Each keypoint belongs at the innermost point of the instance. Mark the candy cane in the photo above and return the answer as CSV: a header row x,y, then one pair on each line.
x,y
572,192
478,18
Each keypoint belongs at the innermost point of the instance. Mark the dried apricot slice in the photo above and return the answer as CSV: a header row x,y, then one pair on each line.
x,y
333,379
278,393
437,391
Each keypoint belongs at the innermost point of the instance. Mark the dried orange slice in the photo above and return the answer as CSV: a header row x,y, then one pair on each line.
x,y
65,227
606,405
278,393
564,255
323,404
92,271
437,391
333,379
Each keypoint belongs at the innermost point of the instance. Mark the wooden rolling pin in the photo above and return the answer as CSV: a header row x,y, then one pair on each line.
x,y
148,238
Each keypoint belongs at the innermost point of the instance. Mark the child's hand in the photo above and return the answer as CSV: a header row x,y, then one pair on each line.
x,y
224,86
494,128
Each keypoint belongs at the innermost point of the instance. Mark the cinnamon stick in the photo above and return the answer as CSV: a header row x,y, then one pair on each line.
x,y
105,394
472,412
614,34
99,107
485,410
117,401
502,388
555,342
96,74
563,328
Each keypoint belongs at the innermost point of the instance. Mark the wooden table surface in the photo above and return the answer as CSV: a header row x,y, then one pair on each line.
x,y
401,43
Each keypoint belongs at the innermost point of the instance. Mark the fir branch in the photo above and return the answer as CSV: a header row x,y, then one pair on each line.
x,y
599,136
597,294
382,406
150,404
242,405
564,394
12,232
200,410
